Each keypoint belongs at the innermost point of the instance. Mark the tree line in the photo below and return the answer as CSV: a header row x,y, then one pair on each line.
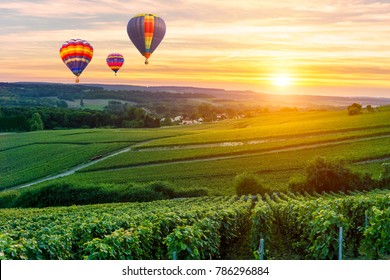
x,y
22,94
114,115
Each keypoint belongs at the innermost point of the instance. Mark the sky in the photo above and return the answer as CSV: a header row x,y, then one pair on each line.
x,y
321,47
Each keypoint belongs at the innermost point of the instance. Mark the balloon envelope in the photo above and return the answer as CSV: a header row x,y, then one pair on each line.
x,y
115,61
76,54
146,31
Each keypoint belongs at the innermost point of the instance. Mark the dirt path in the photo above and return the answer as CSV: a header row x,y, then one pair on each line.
x,y
68,172
373,160
222,157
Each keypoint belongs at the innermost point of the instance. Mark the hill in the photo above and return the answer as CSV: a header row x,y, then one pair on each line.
x,y
256,97
49,94
192,160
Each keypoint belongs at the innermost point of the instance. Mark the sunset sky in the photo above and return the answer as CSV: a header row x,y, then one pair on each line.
x,y
327,47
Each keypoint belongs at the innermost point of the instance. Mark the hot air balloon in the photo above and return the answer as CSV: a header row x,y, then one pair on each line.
x,y
76,54
146,31
115,61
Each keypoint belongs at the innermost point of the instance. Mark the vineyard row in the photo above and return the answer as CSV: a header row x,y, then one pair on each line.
x,y
200,228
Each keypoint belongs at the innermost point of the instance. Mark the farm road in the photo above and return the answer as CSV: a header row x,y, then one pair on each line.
x,y
221,157
68,172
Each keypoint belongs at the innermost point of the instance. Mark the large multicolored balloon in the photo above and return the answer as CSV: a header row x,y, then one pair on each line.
x,y
115,61
76,54
146,31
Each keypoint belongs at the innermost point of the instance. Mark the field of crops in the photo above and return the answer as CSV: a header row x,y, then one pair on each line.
x,y
277,146
275,168
28,156
143,155
201,228
309,225
278,125
191,228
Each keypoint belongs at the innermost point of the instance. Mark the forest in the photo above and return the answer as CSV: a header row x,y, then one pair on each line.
x,y
38,118
37,106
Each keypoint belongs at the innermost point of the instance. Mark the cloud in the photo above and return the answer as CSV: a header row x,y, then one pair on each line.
x,y
321,41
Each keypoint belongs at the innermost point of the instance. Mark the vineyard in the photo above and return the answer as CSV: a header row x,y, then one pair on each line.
x,y
199,156
202,228
71,147
310,224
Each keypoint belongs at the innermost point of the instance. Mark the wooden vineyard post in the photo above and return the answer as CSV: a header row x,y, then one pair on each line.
x,y
261,249
340,243
366,224
366,220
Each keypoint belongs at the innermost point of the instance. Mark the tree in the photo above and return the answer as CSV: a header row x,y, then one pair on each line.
x,y
230,112
248,183
385,174
384,177
36,122
62,104
81,102
166,122
323,175
18,123
114,107
139,113
206,111
65,122
370,109
354,109
133,123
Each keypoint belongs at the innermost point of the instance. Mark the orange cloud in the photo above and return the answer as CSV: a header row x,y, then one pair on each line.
x,y
231,44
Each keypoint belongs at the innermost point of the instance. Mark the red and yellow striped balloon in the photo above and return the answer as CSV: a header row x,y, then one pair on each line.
x,y
115,61
76,54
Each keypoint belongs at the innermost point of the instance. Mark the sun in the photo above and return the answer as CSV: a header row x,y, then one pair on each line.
x,y
281,80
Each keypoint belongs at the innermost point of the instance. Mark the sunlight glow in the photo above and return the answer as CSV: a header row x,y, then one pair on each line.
x,y
272,46
281,80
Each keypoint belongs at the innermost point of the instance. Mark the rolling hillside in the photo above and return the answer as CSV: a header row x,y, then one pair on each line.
x,y
276,146
26,94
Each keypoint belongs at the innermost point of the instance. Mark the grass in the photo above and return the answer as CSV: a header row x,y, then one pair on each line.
x,y
93,104
373,168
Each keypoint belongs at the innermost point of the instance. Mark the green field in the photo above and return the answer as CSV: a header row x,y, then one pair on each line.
x,y
275,169
277,146
93,104
25,157
279,125
143,156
